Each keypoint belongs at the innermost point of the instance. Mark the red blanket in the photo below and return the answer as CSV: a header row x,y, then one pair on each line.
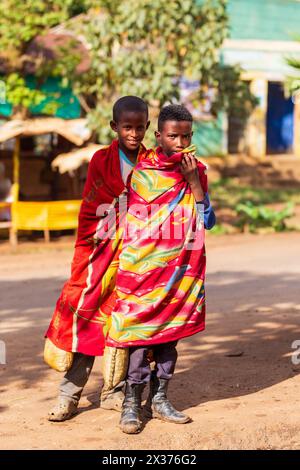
x,y
80,318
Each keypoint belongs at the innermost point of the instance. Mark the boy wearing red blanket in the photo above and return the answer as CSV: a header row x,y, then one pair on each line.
x,y
160,295
75,326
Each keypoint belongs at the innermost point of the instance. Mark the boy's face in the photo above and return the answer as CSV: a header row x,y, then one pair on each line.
x,y
174,136
131,128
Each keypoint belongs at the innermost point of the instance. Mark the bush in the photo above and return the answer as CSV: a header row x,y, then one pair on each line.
x,y
258,216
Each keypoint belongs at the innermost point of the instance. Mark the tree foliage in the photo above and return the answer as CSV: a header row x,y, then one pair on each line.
x,y
145,48
21,22
142,48
292,82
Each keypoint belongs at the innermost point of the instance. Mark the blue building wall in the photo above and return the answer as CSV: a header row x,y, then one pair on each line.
x,y
275,20
264,21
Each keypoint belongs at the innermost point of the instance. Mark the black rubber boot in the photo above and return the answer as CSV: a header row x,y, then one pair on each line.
x,y
147,409
130,422
158,405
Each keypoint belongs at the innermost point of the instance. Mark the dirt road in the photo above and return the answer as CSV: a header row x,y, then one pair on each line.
x,y
236,380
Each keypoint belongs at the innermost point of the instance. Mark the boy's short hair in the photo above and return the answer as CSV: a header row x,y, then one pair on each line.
x,y
129,103
173,112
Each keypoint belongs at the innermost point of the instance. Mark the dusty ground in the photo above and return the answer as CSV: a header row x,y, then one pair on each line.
x,y
236,380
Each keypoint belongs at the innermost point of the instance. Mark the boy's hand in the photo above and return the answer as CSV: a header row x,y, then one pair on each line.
x,y
190,172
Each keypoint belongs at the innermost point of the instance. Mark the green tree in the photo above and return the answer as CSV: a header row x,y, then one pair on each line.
x,y
21,22
146,47
143,47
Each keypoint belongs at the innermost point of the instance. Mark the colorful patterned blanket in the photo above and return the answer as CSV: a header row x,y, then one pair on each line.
x,y
160,294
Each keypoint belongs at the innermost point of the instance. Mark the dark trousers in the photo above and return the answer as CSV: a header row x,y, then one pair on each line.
x,y
165,356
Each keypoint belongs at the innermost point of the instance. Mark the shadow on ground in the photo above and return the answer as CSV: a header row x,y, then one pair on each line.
x,y
252,321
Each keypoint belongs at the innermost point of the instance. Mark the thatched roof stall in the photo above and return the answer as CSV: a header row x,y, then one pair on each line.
x,y
71,161
53,215
74,130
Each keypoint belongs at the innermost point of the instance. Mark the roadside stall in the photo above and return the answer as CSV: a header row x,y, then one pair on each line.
x,y
41,215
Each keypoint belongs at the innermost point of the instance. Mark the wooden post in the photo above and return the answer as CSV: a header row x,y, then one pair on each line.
x,y
224,120
13,238
15,191
47,235
256,129
296,143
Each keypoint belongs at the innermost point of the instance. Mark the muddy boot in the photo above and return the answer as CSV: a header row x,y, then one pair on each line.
x,y
130,422
158,405
63,410
147,409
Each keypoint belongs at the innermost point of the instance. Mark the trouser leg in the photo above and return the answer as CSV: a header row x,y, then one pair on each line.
x,y
77,376
165,356
139,368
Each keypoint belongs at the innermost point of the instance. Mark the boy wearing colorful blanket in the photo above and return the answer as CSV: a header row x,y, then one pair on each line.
x,y
77,324
160,296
